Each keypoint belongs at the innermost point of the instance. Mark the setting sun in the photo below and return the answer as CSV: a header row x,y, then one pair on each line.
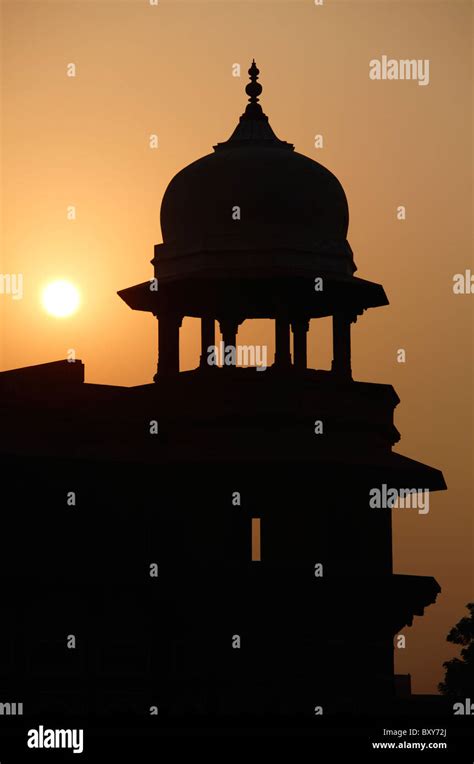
x,y
60,299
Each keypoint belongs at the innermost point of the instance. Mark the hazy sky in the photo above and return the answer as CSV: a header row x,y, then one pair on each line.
x,y
167,70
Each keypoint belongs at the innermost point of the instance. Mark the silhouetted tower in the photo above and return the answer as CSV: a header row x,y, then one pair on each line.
x,y
257,230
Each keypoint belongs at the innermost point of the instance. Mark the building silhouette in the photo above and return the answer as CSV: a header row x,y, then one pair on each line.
x,y
208,538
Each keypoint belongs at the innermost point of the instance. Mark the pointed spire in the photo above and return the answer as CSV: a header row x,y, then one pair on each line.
x,y
253,125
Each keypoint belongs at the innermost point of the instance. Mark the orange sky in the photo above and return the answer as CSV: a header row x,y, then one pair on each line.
x,y
167,70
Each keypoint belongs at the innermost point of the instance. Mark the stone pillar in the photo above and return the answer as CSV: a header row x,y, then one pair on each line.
x,y
341,329
228,327
300,353
282,343
208,338
168,344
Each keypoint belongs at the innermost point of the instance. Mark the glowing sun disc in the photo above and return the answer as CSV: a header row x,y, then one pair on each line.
x,y
60,299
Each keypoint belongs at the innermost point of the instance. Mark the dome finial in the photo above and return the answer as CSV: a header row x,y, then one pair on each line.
x,y
253,125
253,90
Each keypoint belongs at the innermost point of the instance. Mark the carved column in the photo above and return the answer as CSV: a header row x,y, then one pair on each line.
x,y
341,327
300,352
282,343
228,327
168,344
208,339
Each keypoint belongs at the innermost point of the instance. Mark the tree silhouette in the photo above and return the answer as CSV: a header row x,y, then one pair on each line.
x,y
459,677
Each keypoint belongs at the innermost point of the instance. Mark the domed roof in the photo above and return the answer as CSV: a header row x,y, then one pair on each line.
x,y
255,194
